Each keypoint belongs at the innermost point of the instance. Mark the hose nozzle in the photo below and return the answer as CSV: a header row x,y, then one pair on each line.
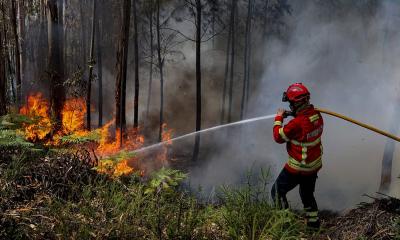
x,y
288,113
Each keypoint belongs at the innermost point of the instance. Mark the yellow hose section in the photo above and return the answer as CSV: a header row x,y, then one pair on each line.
x,y
359,124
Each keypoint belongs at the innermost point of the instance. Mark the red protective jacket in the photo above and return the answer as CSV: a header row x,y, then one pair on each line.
x,y
303,137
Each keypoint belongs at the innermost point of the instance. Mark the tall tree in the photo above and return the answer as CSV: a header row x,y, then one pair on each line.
x,y
198,78
246,72
122,57
83,33
91,66
160,67
150,16
99,65
3,79
57,91
226,74
18,77
136,45
42,41
21,34
232,62
7,53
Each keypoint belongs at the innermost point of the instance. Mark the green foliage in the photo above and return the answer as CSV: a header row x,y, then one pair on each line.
x,y
12,139
165,179
131,208
248,213
10,133
78,138
15,121
121,155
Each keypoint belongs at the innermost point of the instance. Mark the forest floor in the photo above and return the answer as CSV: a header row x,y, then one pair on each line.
x,y
53,195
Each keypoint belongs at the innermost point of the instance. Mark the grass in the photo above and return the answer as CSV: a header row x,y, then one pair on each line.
x,y
248,213
91,205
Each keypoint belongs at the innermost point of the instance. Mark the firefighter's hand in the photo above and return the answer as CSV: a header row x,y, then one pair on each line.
x,y
280,112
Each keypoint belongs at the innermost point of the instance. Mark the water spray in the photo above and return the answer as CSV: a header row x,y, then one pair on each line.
x,y
286,114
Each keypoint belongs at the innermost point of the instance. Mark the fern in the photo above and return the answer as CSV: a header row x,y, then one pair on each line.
x,y
120,156
165,179
15,121
80,138
12,139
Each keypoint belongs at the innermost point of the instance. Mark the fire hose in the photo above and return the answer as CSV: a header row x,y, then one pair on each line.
x,y
369,127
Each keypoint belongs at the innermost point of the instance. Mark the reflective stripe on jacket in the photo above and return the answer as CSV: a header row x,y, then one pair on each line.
x,y
303,137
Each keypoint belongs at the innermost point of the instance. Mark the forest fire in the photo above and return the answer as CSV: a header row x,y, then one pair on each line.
x,y
73,124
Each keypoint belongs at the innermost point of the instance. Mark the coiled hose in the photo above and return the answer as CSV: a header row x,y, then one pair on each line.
x,y
359,124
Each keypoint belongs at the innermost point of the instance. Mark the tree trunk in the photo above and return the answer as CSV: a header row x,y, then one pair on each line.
x,y
136,45
3,79
213,17
21,33
388,154
160,66
246,60
17,53
233,48
228,48
122,57
42,42
6,55
91,65
57,92
249,60
265,22
198,79
83,35
151,62
99,66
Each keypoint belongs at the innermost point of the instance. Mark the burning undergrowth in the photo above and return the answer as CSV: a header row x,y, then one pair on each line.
x,y
104,144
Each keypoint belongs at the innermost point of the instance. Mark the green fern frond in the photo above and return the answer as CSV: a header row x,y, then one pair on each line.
x,y
165,179
120,156
15,121
11,138
93,136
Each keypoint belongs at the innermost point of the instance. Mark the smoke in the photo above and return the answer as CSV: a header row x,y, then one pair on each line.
x,y
347,55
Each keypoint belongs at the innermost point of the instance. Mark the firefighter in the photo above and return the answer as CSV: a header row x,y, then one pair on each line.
x,y
302,136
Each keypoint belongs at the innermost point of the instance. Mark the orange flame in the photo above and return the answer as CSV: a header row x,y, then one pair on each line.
x,y
37,108
73,115
166,137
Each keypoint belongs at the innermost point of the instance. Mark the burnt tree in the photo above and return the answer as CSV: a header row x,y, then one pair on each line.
x,y
57,91
122,57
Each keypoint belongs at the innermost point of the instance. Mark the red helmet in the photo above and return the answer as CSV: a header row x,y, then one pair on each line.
x,y
296,92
